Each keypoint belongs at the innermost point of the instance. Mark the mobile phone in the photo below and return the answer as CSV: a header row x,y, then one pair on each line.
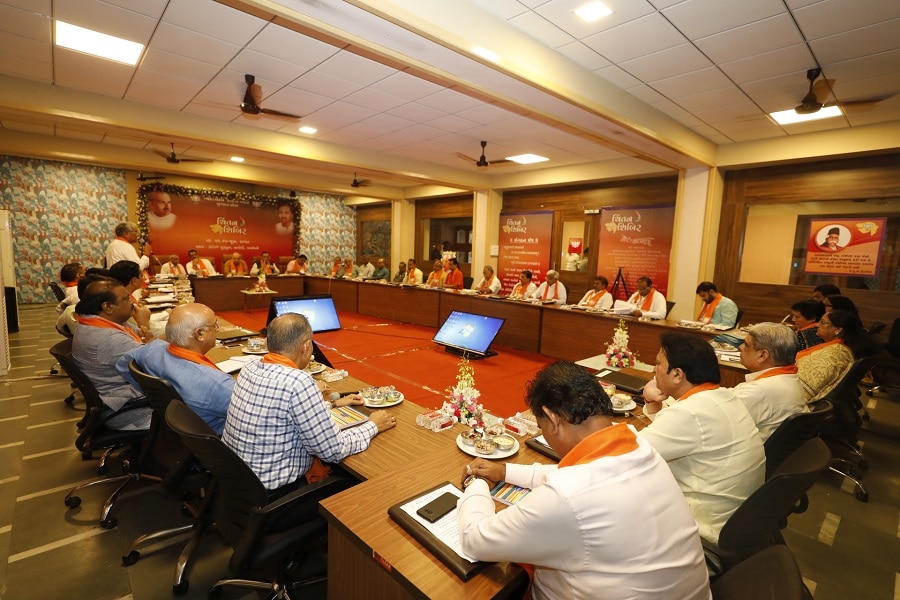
x,y
438,507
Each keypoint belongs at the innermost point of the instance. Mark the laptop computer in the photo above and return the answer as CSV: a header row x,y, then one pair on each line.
x,y
234,334
623,381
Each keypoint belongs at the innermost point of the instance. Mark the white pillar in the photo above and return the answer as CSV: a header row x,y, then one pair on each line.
x,y
485,229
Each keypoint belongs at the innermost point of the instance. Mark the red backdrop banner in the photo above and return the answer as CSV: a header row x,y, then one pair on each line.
x,y
638,241
524,244
845,246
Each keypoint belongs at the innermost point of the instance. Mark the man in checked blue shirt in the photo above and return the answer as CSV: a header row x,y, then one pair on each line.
x,y
277,421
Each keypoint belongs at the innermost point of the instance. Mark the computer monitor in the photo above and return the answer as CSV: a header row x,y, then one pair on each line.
x,y
468,334
318,310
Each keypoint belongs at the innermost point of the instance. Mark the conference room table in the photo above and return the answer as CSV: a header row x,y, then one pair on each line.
x,y
225,293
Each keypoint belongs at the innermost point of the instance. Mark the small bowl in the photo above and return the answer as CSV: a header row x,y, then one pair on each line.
x,y
469,437
620,400
492,430
485,446
504,442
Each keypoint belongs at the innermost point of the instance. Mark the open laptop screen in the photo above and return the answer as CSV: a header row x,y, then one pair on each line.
x,y
318,310
469,332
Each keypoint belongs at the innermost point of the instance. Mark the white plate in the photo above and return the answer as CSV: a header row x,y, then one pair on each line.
x,y
398,398
497,454
312,370
249,351
689,326
625,407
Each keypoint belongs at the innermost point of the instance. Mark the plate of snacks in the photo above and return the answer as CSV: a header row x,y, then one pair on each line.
x,y
381,397
622,402
490,447
314,367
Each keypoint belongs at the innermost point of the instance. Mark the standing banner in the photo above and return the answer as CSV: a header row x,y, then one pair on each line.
x,y
524,244
215,223
849,247
639,242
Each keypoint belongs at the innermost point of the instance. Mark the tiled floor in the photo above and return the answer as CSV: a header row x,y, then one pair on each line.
x,y
846,549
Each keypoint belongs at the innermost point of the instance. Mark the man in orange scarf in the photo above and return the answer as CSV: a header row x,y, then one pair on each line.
x,y
454,278
647,300
236,267
598,298
716,309
590,519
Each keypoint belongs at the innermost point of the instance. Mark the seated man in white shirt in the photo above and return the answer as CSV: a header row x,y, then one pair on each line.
x,y
525,288
772,390
589,525
199,267
413,273
298,265
648,301
597,298
173,267
704,432
552,291
490,283
264,265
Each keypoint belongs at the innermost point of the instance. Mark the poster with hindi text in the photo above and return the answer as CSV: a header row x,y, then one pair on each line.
x,y
845,247
639,242
524,244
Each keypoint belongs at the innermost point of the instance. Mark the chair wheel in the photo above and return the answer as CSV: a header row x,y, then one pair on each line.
x,y
867,417
109,523
73,501
131,558
863,464
70,399
180,589
862,496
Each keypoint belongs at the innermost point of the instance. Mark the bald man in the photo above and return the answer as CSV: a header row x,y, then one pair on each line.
x,y
191,333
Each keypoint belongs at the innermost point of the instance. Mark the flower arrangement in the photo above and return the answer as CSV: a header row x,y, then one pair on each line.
x,y
617,353
261,285
462,399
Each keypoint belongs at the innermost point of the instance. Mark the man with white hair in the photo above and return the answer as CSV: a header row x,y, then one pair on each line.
x,y
552,291
122,248
191,333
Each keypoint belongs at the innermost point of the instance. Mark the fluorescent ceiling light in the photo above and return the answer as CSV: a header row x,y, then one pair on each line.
x,y
307,129
486,54
237,159
97,44
786,117
592,11
527,159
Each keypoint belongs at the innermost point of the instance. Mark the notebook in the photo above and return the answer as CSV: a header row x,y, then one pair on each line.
x,y
623,381
345,417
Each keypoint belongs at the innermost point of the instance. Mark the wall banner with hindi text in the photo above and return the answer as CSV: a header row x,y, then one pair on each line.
x,y
524,244
639,242
846,247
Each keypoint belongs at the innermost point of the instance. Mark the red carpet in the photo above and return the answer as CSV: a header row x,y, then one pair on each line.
x,y
384,352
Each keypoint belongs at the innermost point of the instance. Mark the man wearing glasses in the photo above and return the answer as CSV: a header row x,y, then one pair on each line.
x,y
191,333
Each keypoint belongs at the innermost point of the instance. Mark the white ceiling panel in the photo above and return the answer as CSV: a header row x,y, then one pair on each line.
x,y
582,55
701,18
750,40
26,58
214,20
691,83
83,72
25,23
541,29
291,47
668,63
406,86
190,44
793,61
831,17
856,43
266,68
640,37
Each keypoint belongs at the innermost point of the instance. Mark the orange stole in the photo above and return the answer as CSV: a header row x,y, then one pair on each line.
x,y
785,370
555,291
107,324
190,355
706,312
648,301
703,387
595,298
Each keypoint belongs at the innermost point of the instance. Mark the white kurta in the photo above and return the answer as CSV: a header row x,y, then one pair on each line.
x,y
561,293
771,400
657,305
120,250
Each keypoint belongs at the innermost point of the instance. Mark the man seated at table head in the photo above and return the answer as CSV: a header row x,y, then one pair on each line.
x,y
264,265
413,273
437,275
191,333
401,275
820,292
381,271
702,430
552,290
173,267
772,390
200,267
648,301
716,309
102,336
277,422
453,280
590,524
525,288
236,266
298,265
490,283
597,297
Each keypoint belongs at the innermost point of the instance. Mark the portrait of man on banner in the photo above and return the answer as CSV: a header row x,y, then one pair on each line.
x,y
847,247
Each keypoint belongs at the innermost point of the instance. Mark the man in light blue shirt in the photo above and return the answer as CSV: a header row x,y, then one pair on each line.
x,y
716,309
191,331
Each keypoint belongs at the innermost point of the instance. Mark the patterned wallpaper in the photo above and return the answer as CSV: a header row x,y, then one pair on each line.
x,y
62,212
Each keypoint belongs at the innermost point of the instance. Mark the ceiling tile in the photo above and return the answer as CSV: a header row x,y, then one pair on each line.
x,y
325,85
25,23
865,68
857,43
352,67
196,46
214,20
337,115
374,100
418,113
541,29
700,18
667,63
640,37
162,89
177,66
835,16
715,99
454,123
794,60
292,100
752,39
582,55
450,101
266,68
692,83
618,77
290,46
26,58
504,9
404,85
486,113
92,74
151,8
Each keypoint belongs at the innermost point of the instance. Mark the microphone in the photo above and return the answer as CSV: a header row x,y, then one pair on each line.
x,y
334,397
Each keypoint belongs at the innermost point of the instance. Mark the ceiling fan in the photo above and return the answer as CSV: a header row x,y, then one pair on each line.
x,y
820,89
482,161
142,177
252,98
173,158
358,182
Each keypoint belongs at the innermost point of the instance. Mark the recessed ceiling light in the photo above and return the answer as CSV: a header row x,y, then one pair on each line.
x,y
592,11
307,129
486,54
527,159
237,159
97,44
786,117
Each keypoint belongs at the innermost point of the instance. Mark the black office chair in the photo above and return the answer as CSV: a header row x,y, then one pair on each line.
x,y
886,371
669,305
95,435
467,282
793,433
770,574
165,454
758,521
737,319
57,290
64,347
840,432
244,516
